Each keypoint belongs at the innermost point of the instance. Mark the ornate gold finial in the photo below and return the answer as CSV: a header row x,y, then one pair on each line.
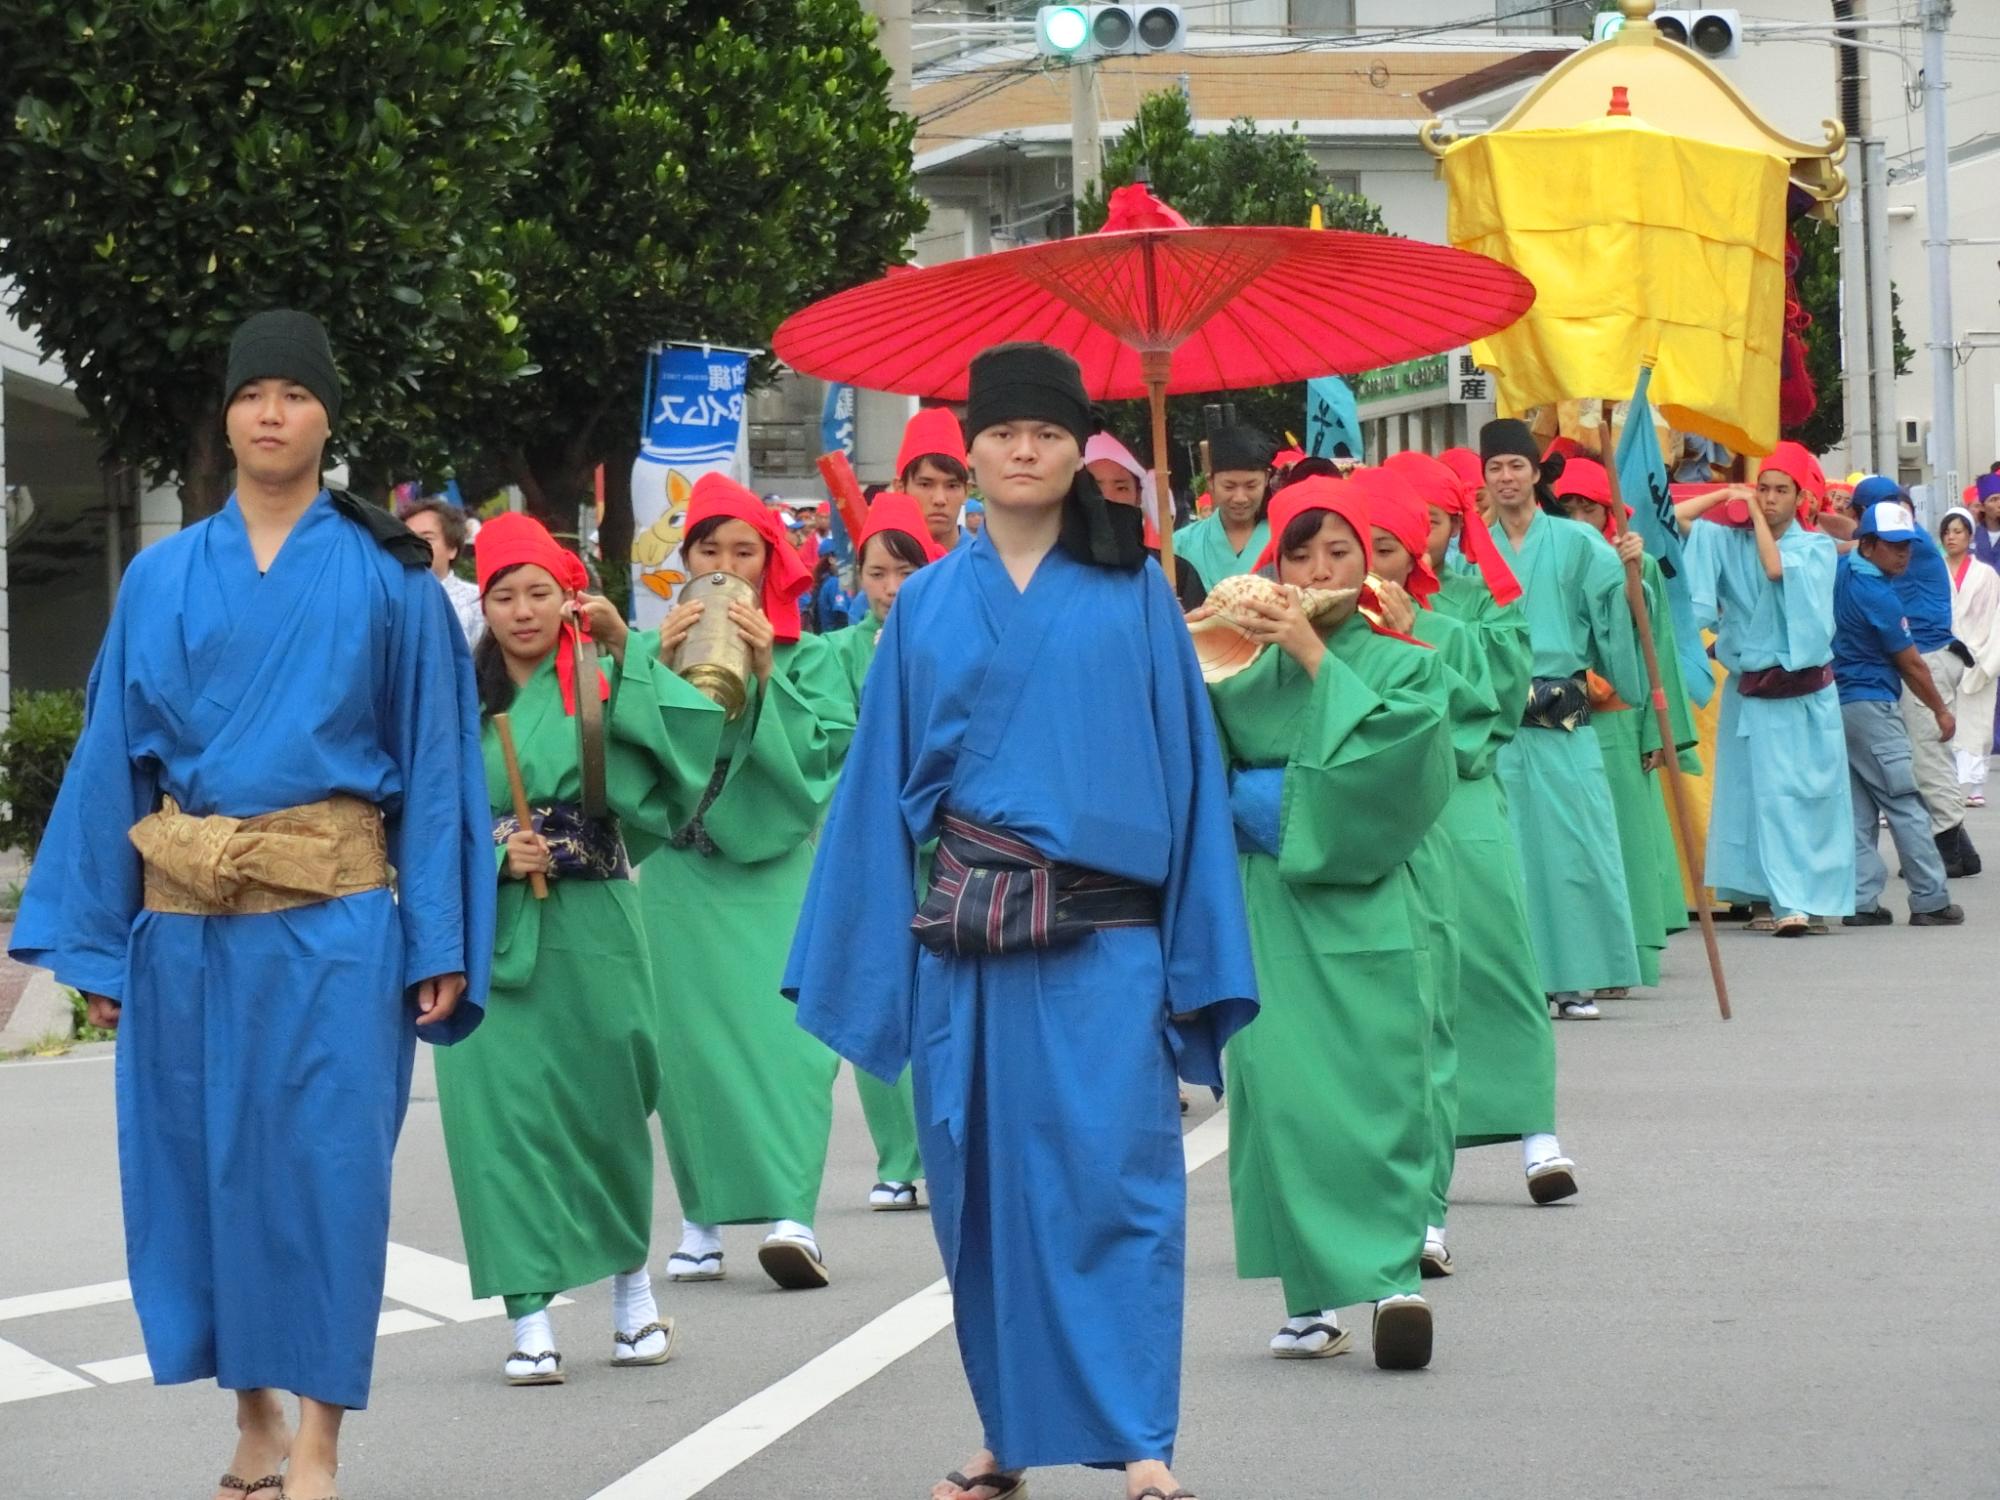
x,y
1636,10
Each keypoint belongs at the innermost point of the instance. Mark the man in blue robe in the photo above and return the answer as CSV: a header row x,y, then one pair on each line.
x,y
282,719
1778,832
1036,705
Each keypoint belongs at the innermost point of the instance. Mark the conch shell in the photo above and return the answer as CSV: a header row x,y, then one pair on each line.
x,y
1220,644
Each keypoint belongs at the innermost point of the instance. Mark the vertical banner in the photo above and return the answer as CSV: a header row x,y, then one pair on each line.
x,y
1642,483
693,425
836,435
1332,421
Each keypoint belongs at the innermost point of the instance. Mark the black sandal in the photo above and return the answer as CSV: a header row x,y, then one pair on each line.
x,y
997,1486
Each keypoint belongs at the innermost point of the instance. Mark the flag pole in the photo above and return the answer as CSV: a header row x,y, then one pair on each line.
x,y
1635,598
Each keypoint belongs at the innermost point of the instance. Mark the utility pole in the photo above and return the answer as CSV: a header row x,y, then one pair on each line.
x,y
878,415
1885,428
1086,139
1936,20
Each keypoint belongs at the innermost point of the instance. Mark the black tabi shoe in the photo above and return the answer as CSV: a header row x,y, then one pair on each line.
x,y
1879,916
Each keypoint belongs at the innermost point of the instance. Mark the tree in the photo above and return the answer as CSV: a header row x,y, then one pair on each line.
x,y
1818,282
175,165
1241,175
711,167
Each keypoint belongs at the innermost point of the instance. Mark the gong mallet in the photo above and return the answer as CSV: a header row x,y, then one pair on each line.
x,y
537,882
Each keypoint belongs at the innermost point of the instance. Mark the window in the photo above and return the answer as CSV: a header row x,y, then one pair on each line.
x,y
1544,17
1322,15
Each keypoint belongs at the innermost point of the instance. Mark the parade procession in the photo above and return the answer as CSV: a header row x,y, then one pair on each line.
x,y
879,749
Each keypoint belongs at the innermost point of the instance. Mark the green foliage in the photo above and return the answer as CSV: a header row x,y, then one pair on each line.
x,y
174,165
83,1031
1242,175
35,748
710,168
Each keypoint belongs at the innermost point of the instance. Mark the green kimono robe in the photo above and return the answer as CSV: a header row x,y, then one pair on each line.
x,y
1206,547
1331,1156
1645,840
1506,1045
1579,913
891,1112
749,1101
545,1107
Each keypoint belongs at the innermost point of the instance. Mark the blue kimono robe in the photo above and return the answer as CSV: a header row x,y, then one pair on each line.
x,y
1072,715
1780,827
264,1060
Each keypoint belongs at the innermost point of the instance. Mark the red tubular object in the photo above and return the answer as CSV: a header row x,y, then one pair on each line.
x,y
843,487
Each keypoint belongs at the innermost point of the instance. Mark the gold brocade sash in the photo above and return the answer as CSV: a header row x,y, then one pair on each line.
x,y
222,867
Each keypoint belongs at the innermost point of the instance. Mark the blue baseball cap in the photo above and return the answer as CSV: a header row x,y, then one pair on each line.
x,y
1888,520
1875,489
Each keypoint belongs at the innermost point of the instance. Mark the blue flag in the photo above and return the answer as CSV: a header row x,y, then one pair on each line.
x,y
836,434
1642,482
1331,418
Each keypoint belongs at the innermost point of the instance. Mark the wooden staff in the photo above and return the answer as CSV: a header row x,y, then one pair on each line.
x,y
1635,597
537,881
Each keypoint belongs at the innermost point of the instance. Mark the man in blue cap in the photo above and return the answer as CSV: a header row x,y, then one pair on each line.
x,y
1925,590
1875,658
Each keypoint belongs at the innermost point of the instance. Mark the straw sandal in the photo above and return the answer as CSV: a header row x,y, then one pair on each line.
x,y
994,1486
634,1340
1154,1492
249,1487
534,1377
1791,926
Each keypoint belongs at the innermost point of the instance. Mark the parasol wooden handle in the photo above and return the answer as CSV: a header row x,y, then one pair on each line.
x,y
536,882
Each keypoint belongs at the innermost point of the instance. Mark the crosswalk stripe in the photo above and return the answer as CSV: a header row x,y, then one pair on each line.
x,y
437,1285
120,1371
23,1376
68,1299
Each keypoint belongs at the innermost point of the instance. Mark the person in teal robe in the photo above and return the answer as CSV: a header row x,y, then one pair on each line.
x,y
1228,542
1565,826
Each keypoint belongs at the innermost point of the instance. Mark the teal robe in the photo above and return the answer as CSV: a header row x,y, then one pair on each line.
x,y
1206,547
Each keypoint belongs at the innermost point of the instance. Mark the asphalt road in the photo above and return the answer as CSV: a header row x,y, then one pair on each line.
x,y
1777,1280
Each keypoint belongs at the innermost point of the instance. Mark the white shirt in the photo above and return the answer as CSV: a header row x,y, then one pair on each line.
x,y
464,597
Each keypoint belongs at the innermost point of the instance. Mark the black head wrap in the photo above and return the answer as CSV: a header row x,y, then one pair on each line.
x,y
1233,449
1034,382
284,345
1511,436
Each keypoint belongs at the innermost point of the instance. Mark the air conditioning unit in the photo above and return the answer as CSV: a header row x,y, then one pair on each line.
x,y
1913,435
1715,34
1088,31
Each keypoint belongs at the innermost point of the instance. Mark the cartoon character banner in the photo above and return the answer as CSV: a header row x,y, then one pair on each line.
x,y
693,425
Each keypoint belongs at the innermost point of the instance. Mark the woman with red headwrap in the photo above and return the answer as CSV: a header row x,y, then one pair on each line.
x,y
1493,1047
747,1117
1340,760
547,1107
1630,739
896,543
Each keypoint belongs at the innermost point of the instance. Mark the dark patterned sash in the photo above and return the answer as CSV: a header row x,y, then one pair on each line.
x,y
580,848
991,893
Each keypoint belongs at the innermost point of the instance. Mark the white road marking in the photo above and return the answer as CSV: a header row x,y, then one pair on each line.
x,y
438,1286
120,1371
401,1320
23,1376
37,1303
748,1428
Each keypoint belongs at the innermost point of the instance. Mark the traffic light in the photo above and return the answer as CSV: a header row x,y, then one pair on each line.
x,y
1087,31
1714,34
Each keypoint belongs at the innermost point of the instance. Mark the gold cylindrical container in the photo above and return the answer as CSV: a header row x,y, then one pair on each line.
x,y
713,658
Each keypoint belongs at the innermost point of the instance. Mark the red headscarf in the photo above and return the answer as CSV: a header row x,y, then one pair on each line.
x,y
514,539
1395,506
935,429
1585,479
786,575
1451,483
895,511
1804,470
1345,499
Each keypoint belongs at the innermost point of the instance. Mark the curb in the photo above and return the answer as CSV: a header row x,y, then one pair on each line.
x,y
44,1009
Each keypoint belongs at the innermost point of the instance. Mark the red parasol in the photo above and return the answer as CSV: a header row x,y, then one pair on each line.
x,y
1150,305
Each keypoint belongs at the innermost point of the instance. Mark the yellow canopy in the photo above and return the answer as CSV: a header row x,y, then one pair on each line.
x,y
1639,243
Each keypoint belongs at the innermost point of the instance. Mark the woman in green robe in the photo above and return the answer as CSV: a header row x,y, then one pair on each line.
x,y
1341,760
546,1107
749,1101
895,544
1630,740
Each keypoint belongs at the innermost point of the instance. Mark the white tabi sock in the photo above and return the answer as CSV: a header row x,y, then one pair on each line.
x,y
792,1229
1538,1148
632,1304
698,1240
1434,1234
534,1334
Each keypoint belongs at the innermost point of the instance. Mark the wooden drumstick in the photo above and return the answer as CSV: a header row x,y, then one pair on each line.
x,y
537,881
